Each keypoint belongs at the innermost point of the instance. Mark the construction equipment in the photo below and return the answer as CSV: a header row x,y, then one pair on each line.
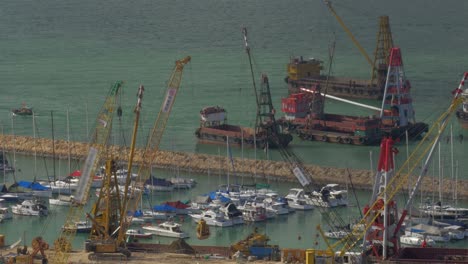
x,y
265,123
383,46
154,140
39,245
108,211
256,244
380,225
97,151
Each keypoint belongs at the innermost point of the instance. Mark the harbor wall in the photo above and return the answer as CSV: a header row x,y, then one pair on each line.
x,y
212,165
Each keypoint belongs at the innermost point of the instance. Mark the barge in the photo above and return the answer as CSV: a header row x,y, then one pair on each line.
x,y
305,115
307,73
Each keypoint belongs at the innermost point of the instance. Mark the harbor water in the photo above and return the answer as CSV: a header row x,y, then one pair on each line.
x,y
61,58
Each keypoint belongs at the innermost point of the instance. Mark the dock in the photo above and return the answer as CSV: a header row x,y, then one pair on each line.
x,y
264,170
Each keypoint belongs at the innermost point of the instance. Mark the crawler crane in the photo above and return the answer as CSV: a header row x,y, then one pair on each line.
x,y
97,151
108,210
129,206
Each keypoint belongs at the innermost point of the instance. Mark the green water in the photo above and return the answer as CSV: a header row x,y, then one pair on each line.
x,y
62,56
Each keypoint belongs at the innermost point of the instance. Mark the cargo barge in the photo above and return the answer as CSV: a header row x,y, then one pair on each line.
x,y
307,73
214,129
267,133
305,115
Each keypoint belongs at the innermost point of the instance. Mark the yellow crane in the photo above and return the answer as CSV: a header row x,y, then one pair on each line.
x,y
421,155
154,141
382,50
97,151
108,211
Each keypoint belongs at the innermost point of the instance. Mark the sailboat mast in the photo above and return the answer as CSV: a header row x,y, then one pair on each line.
x,y
68,141
14,148
53,143
35,147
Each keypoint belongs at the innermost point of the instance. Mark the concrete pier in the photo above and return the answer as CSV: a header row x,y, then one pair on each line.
x,y
213,165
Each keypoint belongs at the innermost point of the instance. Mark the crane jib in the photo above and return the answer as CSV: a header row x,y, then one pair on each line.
x,y
170,96
84,179
300,176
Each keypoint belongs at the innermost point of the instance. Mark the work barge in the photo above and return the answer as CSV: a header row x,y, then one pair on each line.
x,y
268,170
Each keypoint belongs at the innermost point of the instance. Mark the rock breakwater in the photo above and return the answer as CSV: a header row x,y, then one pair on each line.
x,y
210,164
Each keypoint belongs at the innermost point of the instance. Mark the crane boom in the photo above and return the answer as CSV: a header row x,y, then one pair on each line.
x,y
423,149
97,150
361,49
155,137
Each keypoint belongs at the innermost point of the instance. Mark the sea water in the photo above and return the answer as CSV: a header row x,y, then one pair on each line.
x,y
61,58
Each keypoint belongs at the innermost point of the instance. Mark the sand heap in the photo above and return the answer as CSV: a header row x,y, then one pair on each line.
x,y
181,247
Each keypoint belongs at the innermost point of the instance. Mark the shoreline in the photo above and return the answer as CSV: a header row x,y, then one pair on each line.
x,y
209,164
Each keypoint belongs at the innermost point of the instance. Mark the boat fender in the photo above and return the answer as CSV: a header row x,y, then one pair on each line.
x,y
339,140
348,140
324,138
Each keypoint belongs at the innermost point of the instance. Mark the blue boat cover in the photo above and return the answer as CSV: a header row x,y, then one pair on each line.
x,y
164,208
214,196
33,185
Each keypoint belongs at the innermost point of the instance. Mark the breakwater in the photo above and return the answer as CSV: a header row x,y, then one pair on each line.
x,y
212,165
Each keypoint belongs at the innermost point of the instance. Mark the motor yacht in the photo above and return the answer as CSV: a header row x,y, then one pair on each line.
x,y
167,229
30,207
212,218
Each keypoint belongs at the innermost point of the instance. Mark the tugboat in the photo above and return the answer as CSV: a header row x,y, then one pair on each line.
x,y
24,110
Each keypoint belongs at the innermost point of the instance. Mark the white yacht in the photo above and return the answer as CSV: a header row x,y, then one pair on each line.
x,y
212,218
231,212
415,240
30,207
329,196
167,229
63,200
428,232
182,183
80,227
299,204
253,212
62,187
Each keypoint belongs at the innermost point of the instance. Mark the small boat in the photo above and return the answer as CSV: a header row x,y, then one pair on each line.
x,y
203,230
231,212
415,240
167,229
5,214
61,200
4,166
80,226
133,233
159,184
30,207
212,218
24,110
183,183
253,212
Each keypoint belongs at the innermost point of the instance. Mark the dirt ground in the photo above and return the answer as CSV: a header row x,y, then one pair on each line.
x,y
161,258
137,257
